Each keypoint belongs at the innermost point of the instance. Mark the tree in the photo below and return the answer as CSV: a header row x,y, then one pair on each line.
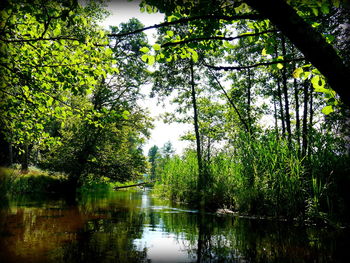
x,y
308,41
211,23
267,70
153,158
107,139
167,150
49,52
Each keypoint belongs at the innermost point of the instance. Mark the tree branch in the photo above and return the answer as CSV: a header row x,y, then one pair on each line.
x,y
310,42
231,102
189,19
215,38
254,65
37,39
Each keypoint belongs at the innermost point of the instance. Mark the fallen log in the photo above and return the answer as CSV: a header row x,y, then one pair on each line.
x,y
132,185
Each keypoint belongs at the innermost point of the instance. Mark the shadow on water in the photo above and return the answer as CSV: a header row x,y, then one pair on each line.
x,y
133,226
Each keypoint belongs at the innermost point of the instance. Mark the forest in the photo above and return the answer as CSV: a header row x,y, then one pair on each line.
x,y
264,85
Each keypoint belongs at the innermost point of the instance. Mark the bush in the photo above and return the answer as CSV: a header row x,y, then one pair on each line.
x,y
12,181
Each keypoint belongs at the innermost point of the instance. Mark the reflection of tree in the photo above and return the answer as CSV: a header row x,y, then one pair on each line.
x,y
99,229
106,240
210,238
103,228
109,237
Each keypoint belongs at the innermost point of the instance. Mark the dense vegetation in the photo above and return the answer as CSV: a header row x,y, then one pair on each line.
x,y
270,118
68,100
270,133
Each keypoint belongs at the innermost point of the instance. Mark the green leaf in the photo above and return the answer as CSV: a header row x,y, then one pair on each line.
x,y
170,33
49,101
318,82
144,57
279,65
307,66
297,72
243,8
320,89
156,47
329,38
144,49
194,54
327,109
263,52
325,8
227,44
151,60
305,74
172,18
126,114
336,3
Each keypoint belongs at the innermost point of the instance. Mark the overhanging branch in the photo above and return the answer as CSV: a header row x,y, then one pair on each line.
x,y
246,126
22,40
226,68
190,19
216,38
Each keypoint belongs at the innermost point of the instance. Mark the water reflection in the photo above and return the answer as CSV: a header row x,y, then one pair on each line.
x,y
132,226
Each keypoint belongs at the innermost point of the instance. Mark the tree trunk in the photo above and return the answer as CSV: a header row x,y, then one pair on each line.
x,y
310,42
208,150
279,92
281,108
245,124
201,177
311,115
10,154
275,114
133,185
25,159
249,101
297,117
305,126
285,92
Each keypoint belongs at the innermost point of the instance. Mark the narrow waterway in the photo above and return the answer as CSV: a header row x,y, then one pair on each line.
x,y
133,226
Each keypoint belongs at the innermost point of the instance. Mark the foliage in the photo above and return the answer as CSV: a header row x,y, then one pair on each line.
x,y
70,102
153,157
284,172
264,177
178,178
109,150
70,91
48,53
13,182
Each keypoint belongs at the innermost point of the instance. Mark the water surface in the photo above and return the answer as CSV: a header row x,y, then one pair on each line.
x,y
133,226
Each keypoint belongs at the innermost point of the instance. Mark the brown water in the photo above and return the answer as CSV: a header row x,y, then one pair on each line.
x,y
133,226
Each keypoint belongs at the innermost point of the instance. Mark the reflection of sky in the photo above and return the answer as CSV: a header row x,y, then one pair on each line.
x,y
145,200
162,246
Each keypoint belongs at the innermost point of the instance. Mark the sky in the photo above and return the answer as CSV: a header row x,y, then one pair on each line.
x,y
122,11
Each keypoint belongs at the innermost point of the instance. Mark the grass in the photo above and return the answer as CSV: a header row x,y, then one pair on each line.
x,y
13,181
267,177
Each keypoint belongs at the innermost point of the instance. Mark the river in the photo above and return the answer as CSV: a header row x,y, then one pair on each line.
x,y
134,226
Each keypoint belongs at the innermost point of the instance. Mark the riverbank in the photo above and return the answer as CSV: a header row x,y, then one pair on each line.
x,y
35,180
264,179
